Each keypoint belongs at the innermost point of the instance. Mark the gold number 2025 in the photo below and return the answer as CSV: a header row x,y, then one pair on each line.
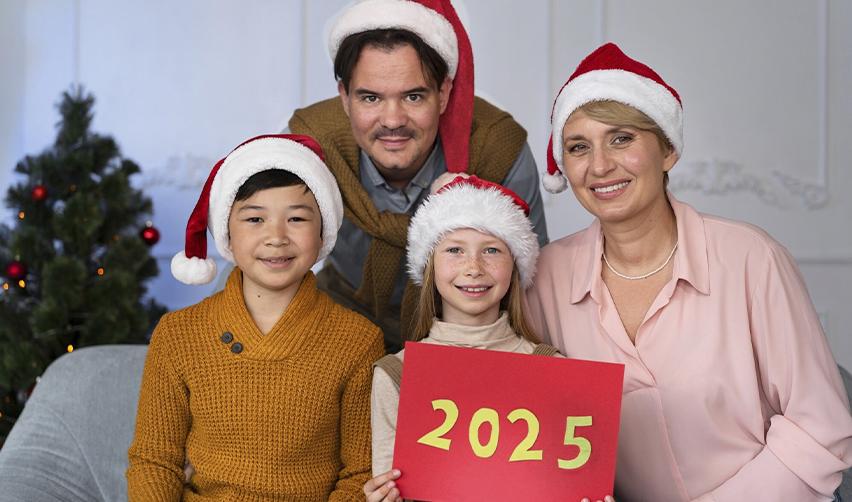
x,y
523,451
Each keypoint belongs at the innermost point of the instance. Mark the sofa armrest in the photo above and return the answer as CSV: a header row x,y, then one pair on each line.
x,y
70,443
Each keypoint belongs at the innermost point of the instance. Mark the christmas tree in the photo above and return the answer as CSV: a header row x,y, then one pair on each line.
x,y
77,257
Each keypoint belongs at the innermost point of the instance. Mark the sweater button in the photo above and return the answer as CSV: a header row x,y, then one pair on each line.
x,y
237,348
227,337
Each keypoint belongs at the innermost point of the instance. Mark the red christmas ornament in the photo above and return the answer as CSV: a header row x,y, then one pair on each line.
x,y
16,270
39,193
150,234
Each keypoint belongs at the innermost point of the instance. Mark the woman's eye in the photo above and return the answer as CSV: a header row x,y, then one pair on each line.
x,y
577,148
622,139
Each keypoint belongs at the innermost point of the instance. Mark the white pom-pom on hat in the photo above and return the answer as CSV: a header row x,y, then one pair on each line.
x,y
193,270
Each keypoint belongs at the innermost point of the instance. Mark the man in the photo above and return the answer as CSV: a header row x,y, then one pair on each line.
x,y
405,73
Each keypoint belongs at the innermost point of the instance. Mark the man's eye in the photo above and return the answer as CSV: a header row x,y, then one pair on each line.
x,y
413,98
369,98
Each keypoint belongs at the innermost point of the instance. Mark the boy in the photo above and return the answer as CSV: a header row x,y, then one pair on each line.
x,y
264,387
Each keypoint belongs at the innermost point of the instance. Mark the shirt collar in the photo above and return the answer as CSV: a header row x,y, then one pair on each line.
x,y
690,260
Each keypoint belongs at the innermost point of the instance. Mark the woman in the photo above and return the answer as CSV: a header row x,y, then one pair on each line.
x,y
730,390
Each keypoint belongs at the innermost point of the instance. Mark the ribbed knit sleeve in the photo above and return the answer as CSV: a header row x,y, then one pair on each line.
x,y
355,439
162,422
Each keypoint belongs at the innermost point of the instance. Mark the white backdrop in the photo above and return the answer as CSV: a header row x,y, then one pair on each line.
x,y
764,85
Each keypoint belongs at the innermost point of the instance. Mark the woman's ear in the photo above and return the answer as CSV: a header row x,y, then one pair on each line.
x,y
670,160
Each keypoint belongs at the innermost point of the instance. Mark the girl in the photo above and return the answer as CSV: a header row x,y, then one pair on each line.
x,y
472,248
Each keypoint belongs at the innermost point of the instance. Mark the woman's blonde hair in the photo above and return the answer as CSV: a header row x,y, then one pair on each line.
x,y
429,305
621,115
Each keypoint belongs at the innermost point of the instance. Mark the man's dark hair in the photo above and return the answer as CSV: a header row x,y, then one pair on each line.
x,y
434,67
271,178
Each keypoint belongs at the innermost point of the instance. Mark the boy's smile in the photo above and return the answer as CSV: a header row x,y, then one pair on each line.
x,y
275,239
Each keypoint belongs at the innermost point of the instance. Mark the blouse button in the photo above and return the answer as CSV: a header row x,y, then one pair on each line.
x,y
237,348
227,337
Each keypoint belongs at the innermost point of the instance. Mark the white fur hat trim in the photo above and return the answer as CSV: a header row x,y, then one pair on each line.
x,y
465,206
274,153
424,22
626,87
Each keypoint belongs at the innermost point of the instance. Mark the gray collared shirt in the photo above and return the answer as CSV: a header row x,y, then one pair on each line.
x,y
352,245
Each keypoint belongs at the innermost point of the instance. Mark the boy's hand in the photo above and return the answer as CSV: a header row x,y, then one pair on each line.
x,y
382,488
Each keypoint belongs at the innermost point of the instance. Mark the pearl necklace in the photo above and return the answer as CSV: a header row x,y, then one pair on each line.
x,y
643,276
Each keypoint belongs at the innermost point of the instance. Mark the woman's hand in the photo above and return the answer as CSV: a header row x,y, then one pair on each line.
x,y
606,499
382,488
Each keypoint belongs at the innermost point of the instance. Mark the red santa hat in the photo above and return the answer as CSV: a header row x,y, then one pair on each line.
x,y
607,74
438,25
298,154
478,204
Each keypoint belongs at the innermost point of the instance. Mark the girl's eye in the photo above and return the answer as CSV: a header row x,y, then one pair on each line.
x,y
491,251
297,219
254,219
454,250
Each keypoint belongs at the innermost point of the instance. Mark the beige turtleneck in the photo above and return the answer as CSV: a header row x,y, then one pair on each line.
x,y
385,396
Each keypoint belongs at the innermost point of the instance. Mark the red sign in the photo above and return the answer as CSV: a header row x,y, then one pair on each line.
x,y
486,425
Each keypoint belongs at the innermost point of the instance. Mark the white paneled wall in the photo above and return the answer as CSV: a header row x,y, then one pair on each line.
x,y
764,86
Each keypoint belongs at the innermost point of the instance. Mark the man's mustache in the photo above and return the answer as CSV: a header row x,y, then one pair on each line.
x,y
399,132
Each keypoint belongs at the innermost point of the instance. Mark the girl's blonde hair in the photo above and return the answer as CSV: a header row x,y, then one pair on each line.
x,y
429,305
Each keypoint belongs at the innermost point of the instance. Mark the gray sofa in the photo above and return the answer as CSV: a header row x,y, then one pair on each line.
x,y
70,444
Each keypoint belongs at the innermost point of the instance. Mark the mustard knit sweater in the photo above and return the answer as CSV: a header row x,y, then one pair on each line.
x,y
285,418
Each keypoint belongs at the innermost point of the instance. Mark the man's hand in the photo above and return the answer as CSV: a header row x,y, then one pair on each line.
x,y
445,178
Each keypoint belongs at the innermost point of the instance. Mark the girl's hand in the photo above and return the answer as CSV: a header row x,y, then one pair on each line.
x,y
606,499
382,488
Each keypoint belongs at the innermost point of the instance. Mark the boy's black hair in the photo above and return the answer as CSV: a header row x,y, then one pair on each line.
x,y
271,178
434,67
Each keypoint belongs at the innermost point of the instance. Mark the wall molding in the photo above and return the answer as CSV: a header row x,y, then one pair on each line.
x,y
724,177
